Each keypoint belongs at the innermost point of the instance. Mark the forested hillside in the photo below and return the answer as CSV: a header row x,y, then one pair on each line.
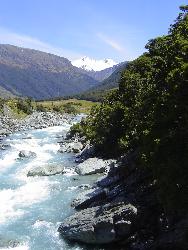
x,y
148,114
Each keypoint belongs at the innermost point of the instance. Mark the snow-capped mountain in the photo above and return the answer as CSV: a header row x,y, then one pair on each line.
x,y
90,64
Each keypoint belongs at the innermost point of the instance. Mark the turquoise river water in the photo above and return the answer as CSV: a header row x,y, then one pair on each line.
x,y
31,208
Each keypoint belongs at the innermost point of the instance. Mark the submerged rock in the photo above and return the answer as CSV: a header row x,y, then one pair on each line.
x,y
100,225
6,243
93,166
27,154
46,170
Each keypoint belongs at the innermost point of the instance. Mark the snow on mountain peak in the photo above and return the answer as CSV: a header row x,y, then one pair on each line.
x,y
90,64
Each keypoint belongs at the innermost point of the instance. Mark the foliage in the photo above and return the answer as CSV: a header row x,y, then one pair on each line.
x,y
69,108
2,101
95,95
149,113
24,105
40,108
20,106
77,128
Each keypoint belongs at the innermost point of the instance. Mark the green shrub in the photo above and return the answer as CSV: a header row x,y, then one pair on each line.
x,y
69,108
24,105
2,102
40,108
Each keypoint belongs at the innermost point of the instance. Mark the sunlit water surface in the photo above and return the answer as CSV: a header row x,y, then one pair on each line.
x,y
31,208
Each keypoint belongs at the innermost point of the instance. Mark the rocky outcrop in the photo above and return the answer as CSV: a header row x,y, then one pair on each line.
x,y
93,166
99,225
88,198
27,154
132,187
47,170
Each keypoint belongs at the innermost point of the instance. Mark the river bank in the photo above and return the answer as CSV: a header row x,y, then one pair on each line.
x,y
37,120
63,186
122,210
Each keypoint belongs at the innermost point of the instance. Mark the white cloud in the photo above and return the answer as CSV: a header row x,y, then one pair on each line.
x,y
127,52
8,37
115,45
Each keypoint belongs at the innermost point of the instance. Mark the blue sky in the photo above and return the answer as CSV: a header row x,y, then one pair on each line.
x,y
117,29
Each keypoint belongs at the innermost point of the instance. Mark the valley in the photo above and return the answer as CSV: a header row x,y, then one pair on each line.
x,y
40,75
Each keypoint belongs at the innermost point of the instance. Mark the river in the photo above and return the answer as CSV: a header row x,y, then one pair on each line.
x,y
31,208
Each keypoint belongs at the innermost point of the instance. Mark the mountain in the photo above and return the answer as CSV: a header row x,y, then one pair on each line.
x,y
97,69
102,74
90,64
98,92
112,81
40,75
5,93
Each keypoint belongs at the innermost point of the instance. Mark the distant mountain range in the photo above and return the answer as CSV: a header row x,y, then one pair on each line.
x,y
90,64
40,75
98,92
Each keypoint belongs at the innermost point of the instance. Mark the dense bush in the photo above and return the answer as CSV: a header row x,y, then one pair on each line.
x,y
69,108
25,106
2,101
149,113
40,108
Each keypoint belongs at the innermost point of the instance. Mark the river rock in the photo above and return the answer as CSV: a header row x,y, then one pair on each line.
x,y
46,170
4,146
100,225
87,152
93,166
86,198
74,147
36,120
27,154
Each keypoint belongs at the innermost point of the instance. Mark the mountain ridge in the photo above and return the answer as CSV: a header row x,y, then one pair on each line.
x,y
41,75
38,74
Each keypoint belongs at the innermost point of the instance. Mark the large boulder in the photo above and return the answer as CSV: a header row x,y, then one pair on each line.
x,y
46,170
87,152
27,154
100,225
88,197
93,166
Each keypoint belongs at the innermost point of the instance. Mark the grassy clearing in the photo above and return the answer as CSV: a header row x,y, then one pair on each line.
x,y
20,108
68,106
